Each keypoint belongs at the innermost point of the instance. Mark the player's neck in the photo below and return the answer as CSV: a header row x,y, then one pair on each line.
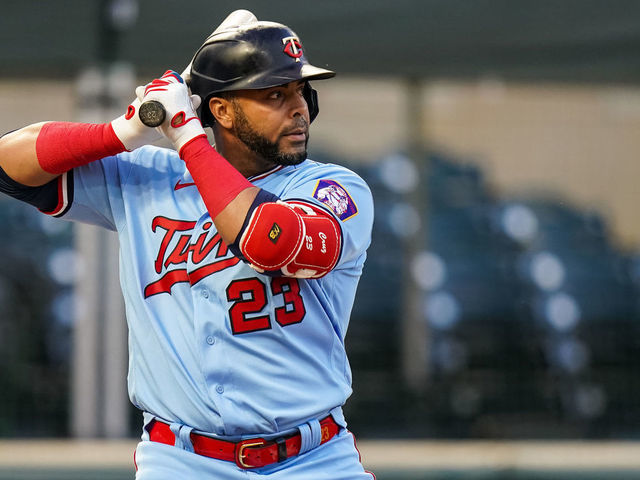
x,y
247,162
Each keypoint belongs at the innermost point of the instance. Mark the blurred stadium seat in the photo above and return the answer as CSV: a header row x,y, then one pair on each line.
x,y
532,311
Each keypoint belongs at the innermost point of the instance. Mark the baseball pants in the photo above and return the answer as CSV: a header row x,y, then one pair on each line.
x,y
338,459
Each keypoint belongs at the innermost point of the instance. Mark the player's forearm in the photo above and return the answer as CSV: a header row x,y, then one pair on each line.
x,y
225,192
259,228
36,154
230,220
18,157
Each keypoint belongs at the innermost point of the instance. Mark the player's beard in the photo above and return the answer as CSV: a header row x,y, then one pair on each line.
x,y
261,145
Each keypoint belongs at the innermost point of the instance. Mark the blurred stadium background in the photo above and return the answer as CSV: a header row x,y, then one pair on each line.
x,y
497,325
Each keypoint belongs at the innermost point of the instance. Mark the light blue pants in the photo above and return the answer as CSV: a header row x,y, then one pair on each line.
x,y
338,459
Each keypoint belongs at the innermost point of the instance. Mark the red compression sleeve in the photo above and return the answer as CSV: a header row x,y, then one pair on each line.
x,y
217,180
62,146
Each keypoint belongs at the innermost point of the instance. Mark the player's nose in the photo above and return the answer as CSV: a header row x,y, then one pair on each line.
x,y
297,105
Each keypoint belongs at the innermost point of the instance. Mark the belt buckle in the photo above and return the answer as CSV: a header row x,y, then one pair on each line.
x,y
240,448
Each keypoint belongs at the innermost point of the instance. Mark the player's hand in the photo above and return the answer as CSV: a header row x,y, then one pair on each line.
x,y
182,123
131,131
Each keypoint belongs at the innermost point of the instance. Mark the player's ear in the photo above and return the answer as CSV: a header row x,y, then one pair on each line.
x,y
222,111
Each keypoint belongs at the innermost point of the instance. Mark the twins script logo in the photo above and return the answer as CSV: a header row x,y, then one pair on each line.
x,y
180,243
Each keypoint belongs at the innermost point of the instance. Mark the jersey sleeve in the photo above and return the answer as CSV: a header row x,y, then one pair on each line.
x,y
93,192
345,196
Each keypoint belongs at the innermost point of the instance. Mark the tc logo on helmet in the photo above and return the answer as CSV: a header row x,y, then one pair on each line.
x,y
292,47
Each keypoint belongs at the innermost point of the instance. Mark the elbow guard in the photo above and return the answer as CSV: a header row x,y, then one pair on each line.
x,y
293,239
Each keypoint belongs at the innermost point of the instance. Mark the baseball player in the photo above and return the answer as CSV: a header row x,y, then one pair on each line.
x,y
238,263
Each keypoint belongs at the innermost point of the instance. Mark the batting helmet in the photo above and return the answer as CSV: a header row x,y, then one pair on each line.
x,y
251,56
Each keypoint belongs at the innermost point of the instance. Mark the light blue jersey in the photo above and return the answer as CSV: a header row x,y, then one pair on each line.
x,y
213,344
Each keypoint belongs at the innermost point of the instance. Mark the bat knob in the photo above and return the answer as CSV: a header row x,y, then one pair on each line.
x,y
152,113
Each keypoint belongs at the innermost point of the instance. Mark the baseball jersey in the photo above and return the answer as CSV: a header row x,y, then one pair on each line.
x,y
213,344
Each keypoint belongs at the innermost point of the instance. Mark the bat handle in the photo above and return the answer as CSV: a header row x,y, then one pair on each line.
x,y
152,113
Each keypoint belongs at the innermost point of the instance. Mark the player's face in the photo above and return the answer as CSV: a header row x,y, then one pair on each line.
x,y
273,122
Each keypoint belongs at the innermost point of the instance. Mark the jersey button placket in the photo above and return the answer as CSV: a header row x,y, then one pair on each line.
x,y
211,340
205,294
220,389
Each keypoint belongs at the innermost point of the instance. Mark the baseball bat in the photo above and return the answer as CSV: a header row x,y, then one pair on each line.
x,y
152,113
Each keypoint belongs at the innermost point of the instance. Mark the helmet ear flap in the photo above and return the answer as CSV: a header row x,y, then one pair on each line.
x,y
206,117
311,96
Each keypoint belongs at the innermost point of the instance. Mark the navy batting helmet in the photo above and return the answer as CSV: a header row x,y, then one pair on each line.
x,y
251,56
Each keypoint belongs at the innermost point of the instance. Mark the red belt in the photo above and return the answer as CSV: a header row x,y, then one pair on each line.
x,y
249,453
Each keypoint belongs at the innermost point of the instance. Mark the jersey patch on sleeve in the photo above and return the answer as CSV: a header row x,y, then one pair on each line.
x,y
336,197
